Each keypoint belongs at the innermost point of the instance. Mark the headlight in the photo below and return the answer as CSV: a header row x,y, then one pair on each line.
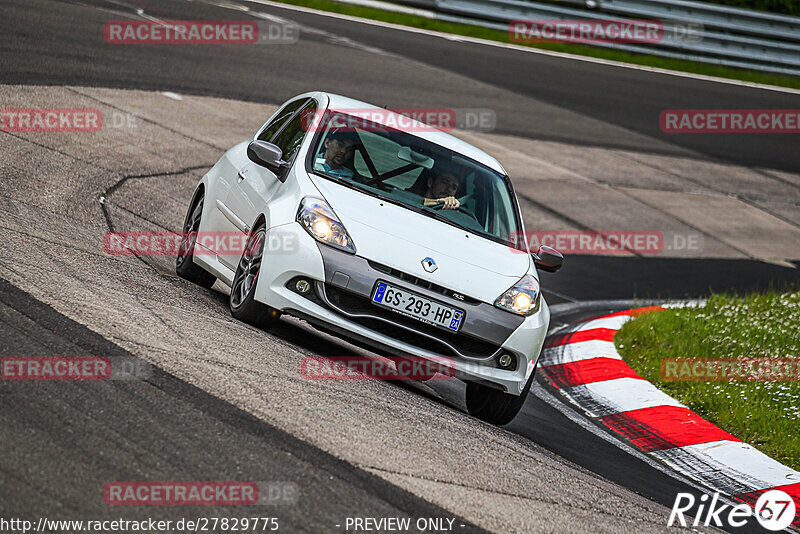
x,y
318,219
522,298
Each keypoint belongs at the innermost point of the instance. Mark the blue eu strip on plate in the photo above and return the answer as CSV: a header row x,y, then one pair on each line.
x,y
379,293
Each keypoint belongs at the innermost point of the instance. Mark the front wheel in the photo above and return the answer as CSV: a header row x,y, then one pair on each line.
x,y
243,289
494,406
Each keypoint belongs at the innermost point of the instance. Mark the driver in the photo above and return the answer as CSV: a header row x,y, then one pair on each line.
x,y
339,148
442,188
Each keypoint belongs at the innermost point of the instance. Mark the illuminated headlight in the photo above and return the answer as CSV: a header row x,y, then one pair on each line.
x,y
522,298
318,219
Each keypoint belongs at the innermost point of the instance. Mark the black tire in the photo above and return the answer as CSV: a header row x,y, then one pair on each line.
x,y
185,267
243,289
494,406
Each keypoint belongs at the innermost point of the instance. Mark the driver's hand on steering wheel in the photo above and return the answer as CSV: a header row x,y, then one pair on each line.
x,y
449,203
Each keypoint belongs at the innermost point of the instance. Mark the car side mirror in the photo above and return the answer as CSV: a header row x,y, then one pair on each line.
x,y
548,259
269,156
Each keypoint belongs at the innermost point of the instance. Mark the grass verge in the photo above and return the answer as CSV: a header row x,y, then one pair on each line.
x,y
417,21
762,413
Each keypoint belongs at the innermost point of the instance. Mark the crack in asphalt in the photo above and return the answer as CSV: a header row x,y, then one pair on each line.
x,y
104,199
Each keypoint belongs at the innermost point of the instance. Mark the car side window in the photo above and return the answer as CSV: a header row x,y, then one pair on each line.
x,y
280,119
290,138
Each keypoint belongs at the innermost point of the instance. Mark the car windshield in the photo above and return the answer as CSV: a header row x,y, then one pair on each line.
x,y
407,170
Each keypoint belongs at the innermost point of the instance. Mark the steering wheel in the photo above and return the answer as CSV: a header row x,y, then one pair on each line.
x,y
461,207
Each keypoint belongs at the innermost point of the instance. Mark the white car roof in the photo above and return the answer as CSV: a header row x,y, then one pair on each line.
x,y
343,103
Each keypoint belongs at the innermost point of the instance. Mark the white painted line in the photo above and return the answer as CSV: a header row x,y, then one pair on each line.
x,y
337,39
173,96
574,352
397,8
619,395
496,44
738,461
139,11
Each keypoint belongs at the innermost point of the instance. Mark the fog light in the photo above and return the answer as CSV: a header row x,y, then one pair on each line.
x,y
302,286
505,360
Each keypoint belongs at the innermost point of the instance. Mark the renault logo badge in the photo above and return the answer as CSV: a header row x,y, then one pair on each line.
x,y
429,265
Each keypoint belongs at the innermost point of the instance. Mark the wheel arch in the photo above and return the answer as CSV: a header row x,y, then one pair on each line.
x,y
263,217
199,190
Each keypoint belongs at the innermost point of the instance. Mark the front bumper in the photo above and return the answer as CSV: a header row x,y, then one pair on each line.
x,y
340,302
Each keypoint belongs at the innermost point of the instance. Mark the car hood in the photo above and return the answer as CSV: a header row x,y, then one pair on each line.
x,y
401,238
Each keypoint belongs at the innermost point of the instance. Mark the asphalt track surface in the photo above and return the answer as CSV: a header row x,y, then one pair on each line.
x,y
113,428
628,98
58,43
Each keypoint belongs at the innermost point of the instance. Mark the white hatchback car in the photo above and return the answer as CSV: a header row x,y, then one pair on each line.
x,y
386,231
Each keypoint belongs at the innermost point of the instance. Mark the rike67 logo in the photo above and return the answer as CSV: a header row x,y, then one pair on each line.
x,y
774,510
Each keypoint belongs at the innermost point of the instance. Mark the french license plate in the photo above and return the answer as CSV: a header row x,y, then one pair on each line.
x,y
417,307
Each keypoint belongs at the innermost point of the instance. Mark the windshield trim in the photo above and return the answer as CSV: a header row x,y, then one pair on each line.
x,y
310,158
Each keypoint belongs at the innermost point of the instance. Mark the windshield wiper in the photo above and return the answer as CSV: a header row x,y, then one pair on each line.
x,y
430,212
358,186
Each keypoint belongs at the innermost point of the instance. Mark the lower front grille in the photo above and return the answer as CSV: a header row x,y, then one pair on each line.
x,y
443,343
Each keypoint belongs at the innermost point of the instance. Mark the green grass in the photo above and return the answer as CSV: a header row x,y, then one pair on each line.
x,y
584,50
764,414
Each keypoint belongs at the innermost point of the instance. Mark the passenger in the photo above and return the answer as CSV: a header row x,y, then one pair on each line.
x,y
339,148
442,188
